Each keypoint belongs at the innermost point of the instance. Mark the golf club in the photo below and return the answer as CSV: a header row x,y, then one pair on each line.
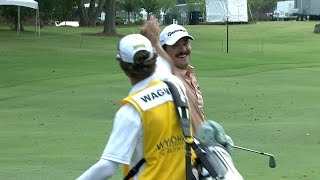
x,y
272,161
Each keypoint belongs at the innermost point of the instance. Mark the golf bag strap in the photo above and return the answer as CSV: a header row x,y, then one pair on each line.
x,y
135,169
189,174
182,110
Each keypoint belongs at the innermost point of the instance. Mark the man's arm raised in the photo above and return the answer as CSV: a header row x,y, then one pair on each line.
x,y
151,30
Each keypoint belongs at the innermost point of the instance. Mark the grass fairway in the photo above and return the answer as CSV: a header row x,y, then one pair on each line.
x,y
58,97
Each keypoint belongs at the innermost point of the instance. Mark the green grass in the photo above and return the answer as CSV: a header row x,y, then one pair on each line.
x,y
58,97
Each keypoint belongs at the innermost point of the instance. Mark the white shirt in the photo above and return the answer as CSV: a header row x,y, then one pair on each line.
x,y
125,142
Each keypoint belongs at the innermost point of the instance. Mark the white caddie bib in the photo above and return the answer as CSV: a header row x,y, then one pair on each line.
x,y
153,96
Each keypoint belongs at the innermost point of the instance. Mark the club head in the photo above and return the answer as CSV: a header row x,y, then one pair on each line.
x,y
272,162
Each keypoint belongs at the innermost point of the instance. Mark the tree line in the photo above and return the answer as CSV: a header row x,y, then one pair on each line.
x,y
52,10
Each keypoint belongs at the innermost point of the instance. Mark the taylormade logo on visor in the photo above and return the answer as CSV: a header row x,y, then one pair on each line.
x,y
172,32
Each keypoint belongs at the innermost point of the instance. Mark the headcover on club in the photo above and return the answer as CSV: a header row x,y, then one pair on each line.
x,y
214,132
216,144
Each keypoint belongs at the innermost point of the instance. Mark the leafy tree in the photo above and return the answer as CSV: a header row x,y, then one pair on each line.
x,y
11,14
260,7
63,10
151,6
169,9
167,5
56,10
196,5
88,17
130,6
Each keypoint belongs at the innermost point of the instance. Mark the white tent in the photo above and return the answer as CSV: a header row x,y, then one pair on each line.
x,y
25,3
223,10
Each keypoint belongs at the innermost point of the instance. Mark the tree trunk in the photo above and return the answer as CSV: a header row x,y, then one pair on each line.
x,y
84,20
92,7
97,13
88,17
109,23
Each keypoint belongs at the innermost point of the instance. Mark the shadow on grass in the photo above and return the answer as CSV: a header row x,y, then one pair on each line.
x,y
103,34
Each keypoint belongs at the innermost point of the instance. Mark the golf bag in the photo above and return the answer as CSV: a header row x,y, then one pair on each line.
x,y
216,164
213,161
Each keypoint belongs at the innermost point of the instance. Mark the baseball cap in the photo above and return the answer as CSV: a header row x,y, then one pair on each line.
x,y
131,44
172,33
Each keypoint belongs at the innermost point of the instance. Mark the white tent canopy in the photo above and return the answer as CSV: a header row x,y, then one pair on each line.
x,y
25,3
223,10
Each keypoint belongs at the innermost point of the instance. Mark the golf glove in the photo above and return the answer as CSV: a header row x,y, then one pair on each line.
x,y
212,131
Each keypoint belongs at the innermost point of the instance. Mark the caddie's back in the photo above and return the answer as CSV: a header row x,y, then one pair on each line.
x,y
163,141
